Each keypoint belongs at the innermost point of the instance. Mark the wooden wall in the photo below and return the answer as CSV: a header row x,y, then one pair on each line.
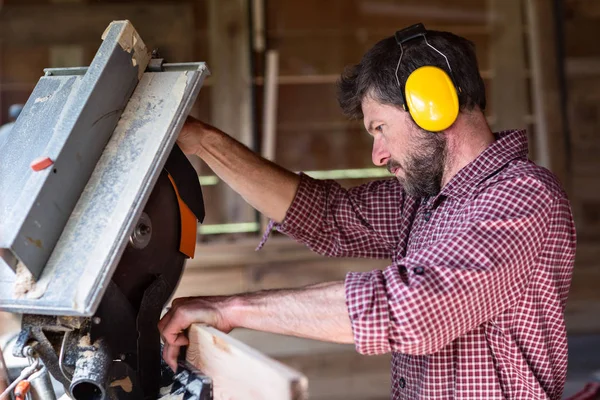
x,y
582,64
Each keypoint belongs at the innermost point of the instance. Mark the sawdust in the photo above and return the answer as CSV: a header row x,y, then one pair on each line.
x,y
42,99
85,341
124,384
24,283
89,354
130,41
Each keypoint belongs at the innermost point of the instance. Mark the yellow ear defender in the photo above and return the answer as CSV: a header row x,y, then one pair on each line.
x,y
429,93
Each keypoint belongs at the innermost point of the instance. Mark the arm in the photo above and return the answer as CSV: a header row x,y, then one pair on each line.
x,y
360,222
441,292
264,185
315,312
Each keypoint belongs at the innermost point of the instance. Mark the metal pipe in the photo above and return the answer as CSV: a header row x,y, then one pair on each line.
x,y
91,370
41,385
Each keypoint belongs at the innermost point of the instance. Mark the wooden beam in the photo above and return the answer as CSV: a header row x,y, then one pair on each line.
x,y
258,25
334,371
231,89
279,250
158,23
583,8
508,96
550,136
579,67
269,133
239,371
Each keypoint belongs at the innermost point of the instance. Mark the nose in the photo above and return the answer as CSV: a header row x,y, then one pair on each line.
x,y
379,155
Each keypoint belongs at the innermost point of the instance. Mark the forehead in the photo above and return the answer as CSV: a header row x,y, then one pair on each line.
x,y
373,110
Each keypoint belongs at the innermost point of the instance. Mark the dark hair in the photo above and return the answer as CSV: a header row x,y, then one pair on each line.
x,y
375,74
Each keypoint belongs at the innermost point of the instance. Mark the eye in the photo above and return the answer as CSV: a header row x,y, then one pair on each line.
x,y
379,128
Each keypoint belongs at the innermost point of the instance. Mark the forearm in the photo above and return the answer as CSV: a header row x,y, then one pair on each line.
x,y
315,312
264,185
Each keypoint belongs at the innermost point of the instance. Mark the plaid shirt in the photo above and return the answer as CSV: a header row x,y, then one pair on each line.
x,y
472,303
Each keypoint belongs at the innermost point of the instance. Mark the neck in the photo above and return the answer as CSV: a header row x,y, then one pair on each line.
x,y
467,138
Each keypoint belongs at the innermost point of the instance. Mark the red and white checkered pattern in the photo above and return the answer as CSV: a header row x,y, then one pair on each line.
x,y
472,303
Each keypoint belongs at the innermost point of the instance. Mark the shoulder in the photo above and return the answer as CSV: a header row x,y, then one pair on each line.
x,y
524,177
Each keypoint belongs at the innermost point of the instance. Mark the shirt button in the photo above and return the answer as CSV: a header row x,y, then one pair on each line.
x,y
402,383
419,270
427,216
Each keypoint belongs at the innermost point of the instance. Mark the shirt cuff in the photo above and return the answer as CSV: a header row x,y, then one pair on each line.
x,y
301,219
369,311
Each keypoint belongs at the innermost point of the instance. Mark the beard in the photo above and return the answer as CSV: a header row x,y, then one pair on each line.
x,y
424,167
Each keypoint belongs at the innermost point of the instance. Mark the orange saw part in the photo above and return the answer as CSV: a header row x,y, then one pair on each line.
x,y
189,225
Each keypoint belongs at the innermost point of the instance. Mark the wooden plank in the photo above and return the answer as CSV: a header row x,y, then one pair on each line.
x,y
239,371
582,67
334,371
269,122
212,282
279,250
344,375
508,95
550,135
583,8
295,274
258,25
231,94
270,105
281,346
242,252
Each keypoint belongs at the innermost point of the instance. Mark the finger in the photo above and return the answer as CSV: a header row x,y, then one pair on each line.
x,y
165,354
181,340
171,357
178,322
164,321
179,300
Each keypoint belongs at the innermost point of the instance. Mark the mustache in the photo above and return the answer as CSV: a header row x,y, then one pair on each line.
x,y
392,165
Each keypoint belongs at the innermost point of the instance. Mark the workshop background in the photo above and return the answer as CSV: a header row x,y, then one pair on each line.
x,y
274,67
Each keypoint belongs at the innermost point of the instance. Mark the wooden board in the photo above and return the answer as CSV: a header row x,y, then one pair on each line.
x,y
334,371
508,95
241,372
231,97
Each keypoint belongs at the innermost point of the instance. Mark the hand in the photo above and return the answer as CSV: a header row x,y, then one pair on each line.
x,y
190,137
186,311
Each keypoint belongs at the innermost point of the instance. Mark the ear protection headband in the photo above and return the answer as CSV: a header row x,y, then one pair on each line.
x,y
429,93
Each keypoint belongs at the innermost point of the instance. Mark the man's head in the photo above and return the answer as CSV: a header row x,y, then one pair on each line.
x,y
369,90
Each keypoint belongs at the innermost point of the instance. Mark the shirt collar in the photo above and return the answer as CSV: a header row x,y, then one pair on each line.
x,y
508,146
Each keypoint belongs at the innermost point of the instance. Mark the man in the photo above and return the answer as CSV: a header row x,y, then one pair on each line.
x,y
481,240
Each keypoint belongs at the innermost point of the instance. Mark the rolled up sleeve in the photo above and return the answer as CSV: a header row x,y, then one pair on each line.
x,y
336,222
